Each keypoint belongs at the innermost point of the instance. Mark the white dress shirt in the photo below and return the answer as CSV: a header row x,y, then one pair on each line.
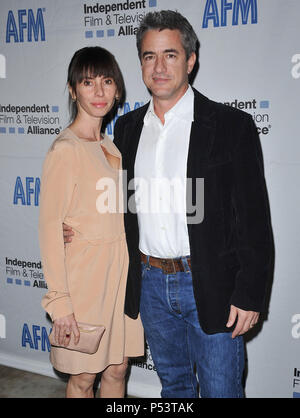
x,y
160,180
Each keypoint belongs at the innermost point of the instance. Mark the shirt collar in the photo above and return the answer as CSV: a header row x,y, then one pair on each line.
x,y
183,109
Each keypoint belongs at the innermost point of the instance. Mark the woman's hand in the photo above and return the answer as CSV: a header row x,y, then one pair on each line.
x,y
67,233
63,328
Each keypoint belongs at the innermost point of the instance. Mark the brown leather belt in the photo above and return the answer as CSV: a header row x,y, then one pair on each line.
x,y
168,265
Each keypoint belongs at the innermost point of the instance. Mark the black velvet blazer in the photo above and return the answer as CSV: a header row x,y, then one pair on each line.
x,y
231,249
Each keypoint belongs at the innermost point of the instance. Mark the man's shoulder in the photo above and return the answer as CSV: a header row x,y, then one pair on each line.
x,y
126,124
133,115
220,110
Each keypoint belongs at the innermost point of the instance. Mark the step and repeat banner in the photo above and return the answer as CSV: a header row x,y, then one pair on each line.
x,y
249,58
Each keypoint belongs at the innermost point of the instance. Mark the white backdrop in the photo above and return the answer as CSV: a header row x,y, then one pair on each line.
x,y
249,58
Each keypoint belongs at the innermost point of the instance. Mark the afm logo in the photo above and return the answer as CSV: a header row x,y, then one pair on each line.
x,y
37,339
217,12
27,193
25,26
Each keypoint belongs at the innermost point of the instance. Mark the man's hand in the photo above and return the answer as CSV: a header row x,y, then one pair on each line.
x,y
68,233
245,320
63,328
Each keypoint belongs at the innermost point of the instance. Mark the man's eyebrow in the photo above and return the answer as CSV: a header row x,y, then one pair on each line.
x,y
166,51
171,50
148,53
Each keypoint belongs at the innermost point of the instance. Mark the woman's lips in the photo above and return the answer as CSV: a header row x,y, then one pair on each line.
x,y
99,105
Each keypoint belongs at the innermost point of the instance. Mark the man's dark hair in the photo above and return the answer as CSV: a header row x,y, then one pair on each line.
x,y
168,19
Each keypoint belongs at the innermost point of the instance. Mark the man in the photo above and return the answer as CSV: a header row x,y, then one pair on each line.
x,y
199,285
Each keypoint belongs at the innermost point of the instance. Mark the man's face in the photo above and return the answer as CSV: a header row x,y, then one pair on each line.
x,y
165,68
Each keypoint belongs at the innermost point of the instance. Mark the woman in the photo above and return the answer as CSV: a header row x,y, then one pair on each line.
x,y
87,279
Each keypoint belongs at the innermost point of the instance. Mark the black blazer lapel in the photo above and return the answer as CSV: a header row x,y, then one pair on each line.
x,y
202,133
132,132
200,146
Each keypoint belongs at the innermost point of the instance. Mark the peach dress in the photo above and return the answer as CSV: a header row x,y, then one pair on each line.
x,y
88,276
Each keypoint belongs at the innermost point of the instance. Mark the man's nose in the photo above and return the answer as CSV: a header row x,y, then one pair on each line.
x,y
160,64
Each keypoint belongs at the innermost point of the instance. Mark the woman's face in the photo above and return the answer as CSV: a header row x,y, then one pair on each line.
x,y
95,96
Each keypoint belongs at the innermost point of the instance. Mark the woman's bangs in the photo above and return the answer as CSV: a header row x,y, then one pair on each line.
x,y
95,68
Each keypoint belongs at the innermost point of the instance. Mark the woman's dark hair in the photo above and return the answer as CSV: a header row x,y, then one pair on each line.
x,y
93,61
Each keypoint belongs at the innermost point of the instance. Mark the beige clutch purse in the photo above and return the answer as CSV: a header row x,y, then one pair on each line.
x,y
90,337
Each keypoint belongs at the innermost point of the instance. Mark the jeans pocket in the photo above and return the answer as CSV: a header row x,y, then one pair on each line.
x,y
143,267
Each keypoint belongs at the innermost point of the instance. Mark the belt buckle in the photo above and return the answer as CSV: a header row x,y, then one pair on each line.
x,y
167,266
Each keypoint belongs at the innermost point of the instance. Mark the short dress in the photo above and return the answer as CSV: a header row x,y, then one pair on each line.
x,y
81,186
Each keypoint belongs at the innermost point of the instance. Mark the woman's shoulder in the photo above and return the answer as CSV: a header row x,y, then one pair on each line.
x,y
66,140
63,152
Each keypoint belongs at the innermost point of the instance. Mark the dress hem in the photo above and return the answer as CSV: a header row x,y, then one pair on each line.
x,y
99,370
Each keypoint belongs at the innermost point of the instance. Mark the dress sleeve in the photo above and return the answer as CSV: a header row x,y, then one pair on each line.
x,y
57,185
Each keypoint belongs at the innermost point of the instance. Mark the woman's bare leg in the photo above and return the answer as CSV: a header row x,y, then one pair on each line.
x,y
81,386
113,380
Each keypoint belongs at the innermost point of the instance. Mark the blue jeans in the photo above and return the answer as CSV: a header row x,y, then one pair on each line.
x,y
185,357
